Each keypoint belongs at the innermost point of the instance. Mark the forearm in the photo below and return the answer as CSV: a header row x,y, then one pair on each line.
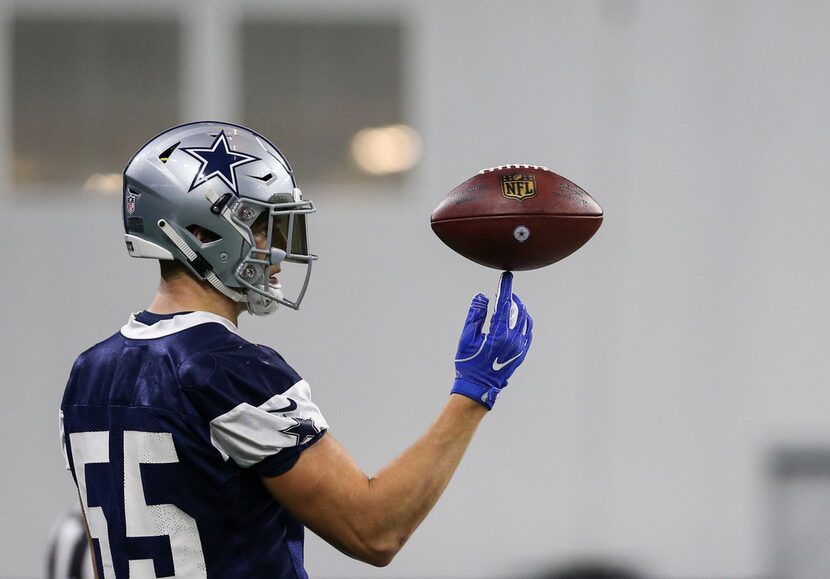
x,y
402,494
371,518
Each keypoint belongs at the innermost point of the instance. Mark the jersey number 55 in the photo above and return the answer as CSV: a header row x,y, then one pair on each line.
x,y
141,520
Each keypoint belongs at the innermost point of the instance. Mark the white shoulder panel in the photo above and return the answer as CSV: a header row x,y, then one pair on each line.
x,y
249,434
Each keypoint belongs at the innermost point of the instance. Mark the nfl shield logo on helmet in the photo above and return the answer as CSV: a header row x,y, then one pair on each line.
x,y
518,186
132,197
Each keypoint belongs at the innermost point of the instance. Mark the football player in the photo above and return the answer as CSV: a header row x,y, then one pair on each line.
x,y
199,454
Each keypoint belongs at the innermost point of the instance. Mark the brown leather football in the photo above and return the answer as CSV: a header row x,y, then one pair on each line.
x,y
516,217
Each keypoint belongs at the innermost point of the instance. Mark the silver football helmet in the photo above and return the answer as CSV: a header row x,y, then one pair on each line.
x,y
234,185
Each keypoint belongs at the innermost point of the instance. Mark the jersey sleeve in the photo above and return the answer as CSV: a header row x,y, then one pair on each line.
x,y
259,410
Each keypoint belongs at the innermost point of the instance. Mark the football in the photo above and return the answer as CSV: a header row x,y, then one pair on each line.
x,y
516,217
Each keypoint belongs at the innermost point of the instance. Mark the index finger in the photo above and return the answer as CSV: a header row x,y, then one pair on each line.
x,y
505,288
504,297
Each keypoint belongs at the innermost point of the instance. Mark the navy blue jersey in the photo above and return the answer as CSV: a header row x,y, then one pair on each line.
x,y
168,426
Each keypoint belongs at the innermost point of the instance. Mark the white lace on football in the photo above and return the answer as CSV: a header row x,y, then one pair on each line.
x,y
513,166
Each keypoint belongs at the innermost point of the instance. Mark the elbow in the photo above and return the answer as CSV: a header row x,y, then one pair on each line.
x,y
382,561
380,553
379,547
373,548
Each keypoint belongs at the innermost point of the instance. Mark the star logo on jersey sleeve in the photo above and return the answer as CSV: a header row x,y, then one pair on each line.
x,y
218,161
303,428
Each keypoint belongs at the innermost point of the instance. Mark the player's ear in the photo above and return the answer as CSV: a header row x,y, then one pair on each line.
x,y
202,234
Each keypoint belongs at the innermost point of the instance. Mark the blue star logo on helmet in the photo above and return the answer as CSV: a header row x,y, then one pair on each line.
x,y
218,161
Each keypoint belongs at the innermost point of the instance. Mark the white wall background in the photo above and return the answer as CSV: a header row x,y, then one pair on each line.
x,y
672,353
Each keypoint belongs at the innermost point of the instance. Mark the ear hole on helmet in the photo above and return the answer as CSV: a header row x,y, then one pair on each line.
x,y
165,155
203,234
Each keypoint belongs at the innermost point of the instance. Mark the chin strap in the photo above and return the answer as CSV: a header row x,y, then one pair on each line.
x,y
259,305
228,292
198,263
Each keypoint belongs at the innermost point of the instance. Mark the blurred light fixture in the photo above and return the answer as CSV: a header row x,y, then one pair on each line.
x,y
104,183
386,150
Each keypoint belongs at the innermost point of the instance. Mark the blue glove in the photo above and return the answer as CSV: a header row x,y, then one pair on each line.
x,y
484,362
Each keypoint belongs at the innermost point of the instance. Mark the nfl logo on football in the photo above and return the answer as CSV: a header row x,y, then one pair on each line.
x,y
518,186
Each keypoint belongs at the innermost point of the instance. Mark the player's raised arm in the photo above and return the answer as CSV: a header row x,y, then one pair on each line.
x,y
370,519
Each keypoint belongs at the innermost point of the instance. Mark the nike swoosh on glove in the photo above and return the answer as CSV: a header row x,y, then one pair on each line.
x,y
485,362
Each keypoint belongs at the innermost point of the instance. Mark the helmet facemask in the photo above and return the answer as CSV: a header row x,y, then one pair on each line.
x,y
276,232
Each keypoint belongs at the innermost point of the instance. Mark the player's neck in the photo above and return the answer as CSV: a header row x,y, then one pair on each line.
x,y
181,293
